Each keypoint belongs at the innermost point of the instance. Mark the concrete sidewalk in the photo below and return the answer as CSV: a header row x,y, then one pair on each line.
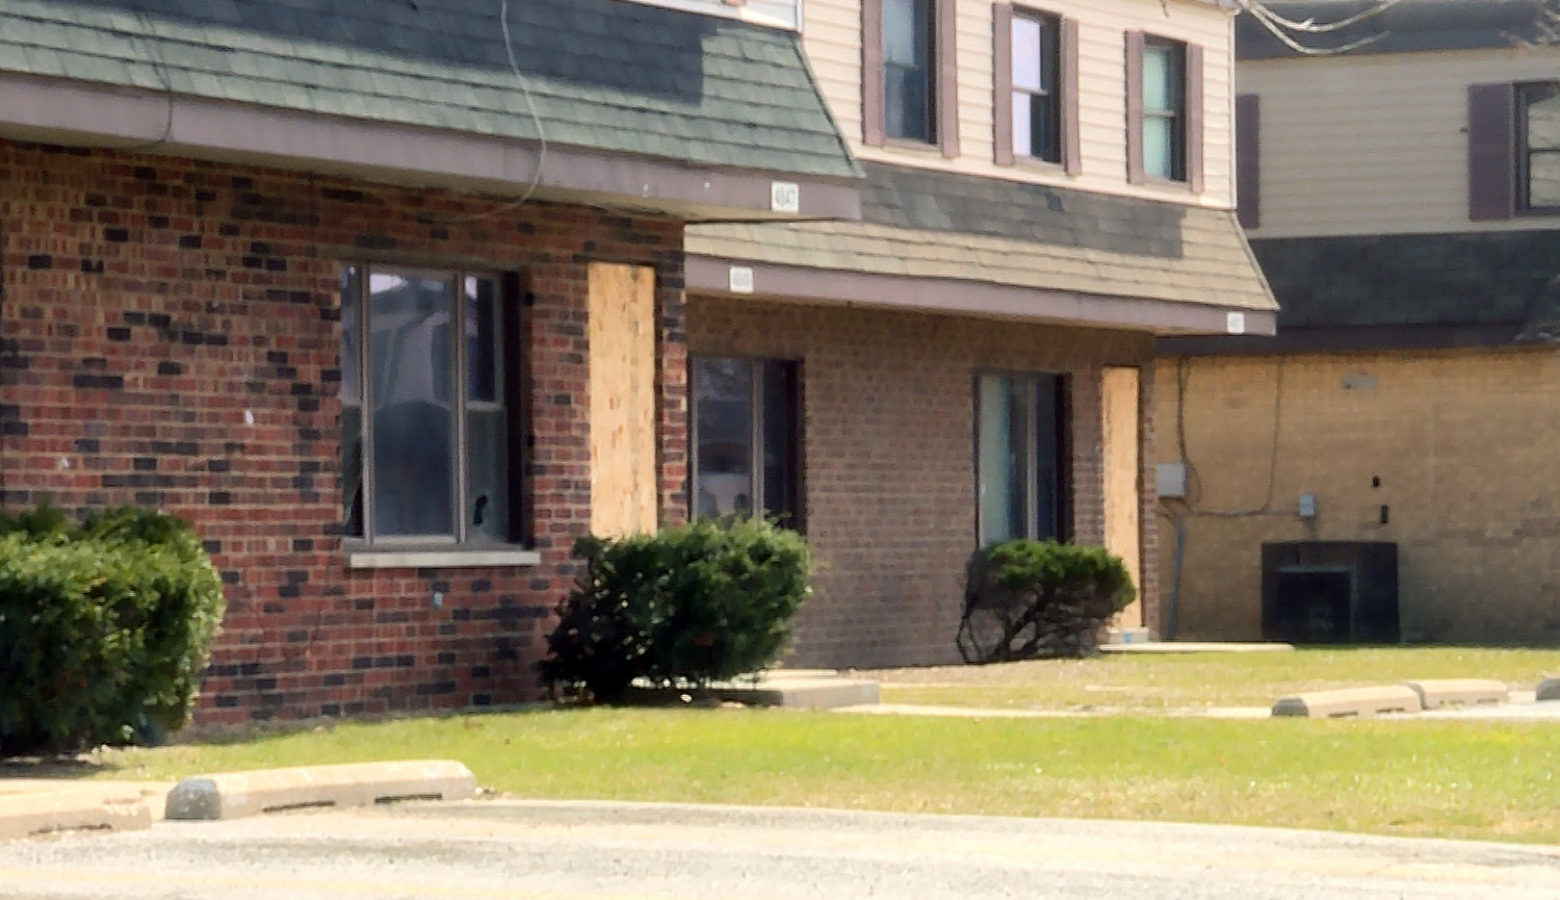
x,y
33,806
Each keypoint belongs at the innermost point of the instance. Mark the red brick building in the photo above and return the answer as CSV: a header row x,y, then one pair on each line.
x,y
378,312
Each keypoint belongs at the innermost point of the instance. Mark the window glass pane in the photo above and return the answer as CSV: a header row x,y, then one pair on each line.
x,y
905,109
1001,487
1159,79
1045,141
352,469
1048,442
723,438
410,361
1543,117
482,340
780,445
1027,70
487,472
1159,146
1023,129
1544,179
351,334
906,27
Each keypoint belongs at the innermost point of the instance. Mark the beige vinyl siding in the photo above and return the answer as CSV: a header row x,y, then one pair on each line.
x,y
832,35
1377,144
777,13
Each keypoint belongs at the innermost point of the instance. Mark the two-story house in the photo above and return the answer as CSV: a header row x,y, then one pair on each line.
x,y
386,297
1049,186
1403,198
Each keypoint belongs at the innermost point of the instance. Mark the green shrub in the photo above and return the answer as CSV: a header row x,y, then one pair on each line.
x,y
690,605
104,628
1031,599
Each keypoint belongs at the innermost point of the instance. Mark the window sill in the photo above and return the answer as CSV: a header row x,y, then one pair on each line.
x,y
918,148
424,558
1041,166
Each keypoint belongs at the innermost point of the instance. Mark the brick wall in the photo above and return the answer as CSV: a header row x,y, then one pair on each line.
x,y
152,307
1457,444
888,453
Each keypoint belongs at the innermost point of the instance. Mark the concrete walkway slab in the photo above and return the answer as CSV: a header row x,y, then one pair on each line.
x,y
1195,647
783,688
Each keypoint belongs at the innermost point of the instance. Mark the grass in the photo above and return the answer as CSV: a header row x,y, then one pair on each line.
x,y
1412,778
1165,682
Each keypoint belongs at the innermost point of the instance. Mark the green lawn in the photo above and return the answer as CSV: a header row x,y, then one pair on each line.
x,y
1450,779
1153,683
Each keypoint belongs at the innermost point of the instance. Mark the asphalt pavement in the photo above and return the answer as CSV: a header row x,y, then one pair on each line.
x,y
547,850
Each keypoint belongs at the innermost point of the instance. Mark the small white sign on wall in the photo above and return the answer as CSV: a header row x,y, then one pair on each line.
x,y
741,280
1235,323
785,197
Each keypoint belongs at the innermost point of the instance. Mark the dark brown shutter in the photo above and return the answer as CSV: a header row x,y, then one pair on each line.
x,y
1002,83
1194,118
1135,174
1248,159
872,89
1072,148
947,77
1492,139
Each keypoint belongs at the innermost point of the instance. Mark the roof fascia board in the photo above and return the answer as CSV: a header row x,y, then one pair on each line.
x,y
712,275
84,113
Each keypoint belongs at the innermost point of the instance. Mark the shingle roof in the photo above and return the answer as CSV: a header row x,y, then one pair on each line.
x,y
1407,27
603,74
1384,281
932,225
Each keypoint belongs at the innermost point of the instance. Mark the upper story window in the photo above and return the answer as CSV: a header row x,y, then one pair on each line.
x,y
1037,95
1036,67
1164,111
909,82
1539,145
908,89
426,407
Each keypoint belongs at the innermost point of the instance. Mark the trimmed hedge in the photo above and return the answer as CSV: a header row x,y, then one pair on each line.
x,y
1032,599
104,628
690,605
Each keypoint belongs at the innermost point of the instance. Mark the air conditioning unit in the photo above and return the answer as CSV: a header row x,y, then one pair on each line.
x,y
1330,592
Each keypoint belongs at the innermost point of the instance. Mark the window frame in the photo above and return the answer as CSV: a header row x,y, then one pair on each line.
x,y
1522,150
1063,465
508,380
941,74
1187,119
929,74
793,518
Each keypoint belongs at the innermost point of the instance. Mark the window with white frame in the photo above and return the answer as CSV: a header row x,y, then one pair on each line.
x,y
746,452
426,413
1022,478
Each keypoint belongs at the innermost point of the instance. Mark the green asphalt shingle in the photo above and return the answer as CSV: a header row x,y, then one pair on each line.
x,y
603,74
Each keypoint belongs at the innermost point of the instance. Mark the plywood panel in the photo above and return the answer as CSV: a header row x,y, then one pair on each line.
x,y
622,399
1122,457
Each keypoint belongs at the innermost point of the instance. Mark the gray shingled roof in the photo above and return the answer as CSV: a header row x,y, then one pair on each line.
x,y
604,74
935,225
1385,281
1408,27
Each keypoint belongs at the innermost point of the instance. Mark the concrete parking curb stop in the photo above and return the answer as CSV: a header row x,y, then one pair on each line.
x,y
72,809
1435,694
1549,689
1352,702
232,795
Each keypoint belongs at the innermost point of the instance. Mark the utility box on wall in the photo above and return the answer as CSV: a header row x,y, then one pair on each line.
x,y
1330,592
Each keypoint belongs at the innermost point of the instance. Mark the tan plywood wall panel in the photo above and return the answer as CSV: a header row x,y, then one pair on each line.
x,y
1122,457
622,399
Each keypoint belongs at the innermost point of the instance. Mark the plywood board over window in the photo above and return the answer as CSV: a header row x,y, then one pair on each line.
x,y
1122,431
622,399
